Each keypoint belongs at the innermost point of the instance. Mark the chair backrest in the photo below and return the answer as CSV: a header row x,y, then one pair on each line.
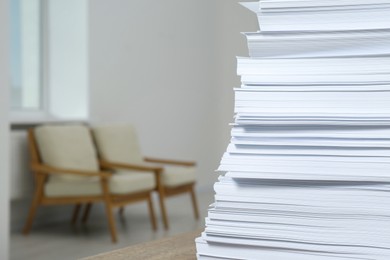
x,y
118,143
67,146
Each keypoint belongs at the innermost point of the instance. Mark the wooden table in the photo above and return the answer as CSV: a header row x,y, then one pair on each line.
x,y
177,247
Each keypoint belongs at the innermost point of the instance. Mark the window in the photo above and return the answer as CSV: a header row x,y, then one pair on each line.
x,y
49,60
26,55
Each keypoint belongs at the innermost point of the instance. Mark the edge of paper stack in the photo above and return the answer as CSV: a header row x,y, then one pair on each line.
x,y
306,175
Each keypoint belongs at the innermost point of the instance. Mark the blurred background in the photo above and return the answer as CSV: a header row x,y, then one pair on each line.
x,y
167,67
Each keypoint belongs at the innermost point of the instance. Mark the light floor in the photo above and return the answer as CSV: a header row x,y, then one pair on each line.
x,y
64,241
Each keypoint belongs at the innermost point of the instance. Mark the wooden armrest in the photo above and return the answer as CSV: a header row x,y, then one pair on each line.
x,y
138,167
53,170
164,161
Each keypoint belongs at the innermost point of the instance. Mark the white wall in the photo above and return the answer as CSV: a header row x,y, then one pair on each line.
x,y
4,132
231,20
152,63
21,179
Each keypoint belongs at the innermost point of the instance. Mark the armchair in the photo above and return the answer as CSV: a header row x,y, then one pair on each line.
x,y
118,149
66,170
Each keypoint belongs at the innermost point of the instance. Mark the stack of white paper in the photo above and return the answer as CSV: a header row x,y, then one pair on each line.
x,y
307,171
321,15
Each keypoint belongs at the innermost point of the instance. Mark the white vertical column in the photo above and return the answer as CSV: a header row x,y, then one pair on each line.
x,y
4,129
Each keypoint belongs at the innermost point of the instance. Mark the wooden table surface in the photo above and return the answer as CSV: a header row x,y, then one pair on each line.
x,y
177,247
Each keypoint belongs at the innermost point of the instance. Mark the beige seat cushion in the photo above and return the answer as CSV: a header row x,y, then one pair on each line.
x,y
122,182
174,176
67,146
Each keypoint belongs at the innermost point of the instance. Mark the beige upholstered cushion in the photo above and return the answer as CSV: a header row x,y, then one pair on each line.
x,y
67,146
121,182
118,143
177,175
173,176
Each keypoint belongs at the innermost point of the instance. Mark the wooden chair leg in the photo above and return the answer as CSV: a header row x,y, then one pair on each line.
x,y
111,222
84,219
109,208
161,197
76,212
34,205
194,203
151,213
30,218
